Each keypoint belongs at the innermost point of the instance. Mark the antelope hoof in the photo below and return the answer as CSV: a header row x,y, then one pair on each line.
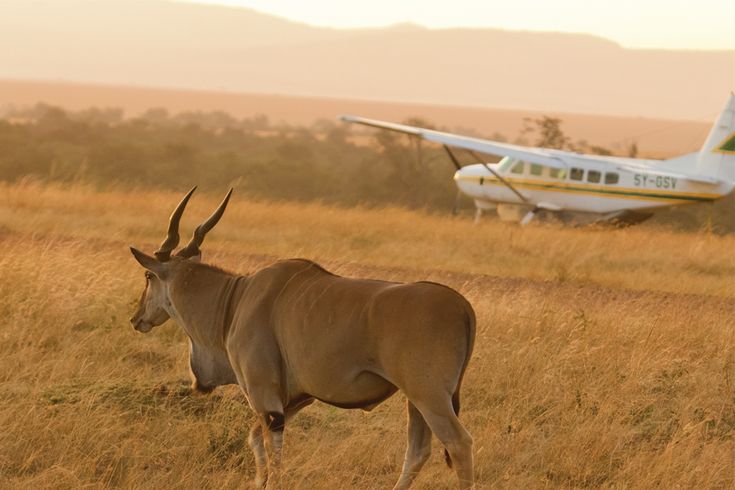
x,y
273,484
260,481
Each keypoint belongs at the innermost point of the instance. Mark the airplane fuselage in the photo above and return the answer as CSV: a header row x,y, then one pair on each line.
x,y
583,187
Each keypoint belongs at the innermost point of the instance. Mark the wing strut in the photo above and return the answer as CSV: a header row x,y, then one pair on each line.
x,y
497,175
458,166
489,169
453,158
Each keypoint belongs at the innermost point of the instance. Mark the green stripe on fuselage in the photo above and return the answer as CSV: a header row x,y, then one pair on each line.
x,y
608,192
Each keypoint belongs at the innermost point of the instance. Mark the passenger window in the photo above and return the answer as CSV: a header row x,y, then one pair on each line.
x,y
576,173
558,173
536,169
611,178
593,176
517,168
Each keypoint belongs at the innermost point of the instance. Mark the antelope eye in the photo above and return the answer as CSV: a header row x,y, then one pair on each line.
x,y
149,275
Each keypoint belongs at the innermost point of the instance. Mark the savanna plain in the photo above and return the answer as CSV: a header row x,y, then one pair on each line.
x,y
605,358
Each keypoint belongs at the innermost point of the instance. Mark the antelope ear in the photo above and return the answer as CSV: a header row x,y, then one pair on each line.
x,y
149,263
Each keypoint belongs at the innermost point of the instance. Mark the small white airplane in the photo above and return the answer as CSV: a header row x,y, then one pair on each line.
x,y
580,189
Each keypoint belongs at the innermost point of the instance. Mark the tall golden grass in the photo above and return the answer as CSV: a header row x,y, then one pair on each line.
x,y
604,358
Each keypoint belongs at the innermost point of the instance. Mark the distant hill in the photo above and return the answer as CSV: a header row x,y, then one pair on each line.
x,y
181,45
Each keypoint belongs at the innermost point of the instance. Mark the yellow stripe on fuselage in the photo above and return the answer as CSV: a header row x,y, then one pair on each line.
x,y
601,191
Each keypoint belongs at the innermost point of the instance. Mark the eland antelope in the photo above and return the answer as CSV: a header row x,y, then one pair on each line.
x,y
292,333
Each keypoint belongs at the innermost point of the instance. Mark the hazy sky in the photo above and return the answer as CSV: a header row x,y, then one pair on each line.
x,y
673,24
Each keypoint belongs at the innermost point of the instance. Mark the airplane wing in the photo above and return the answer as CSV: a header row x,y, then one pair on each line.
x,y
532,155
543,156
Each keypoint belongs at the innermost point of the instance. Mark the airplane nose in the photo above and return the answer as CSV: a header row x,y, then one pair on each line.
x,y
463,178
465,173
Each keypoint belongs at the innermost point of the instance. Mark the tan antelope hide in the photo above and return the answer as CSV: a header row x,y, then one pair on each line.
x,y
292,333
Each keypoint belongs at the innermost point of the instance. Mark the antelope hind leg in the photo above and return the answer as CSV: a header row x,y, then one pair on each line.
x,y
445,425
418,450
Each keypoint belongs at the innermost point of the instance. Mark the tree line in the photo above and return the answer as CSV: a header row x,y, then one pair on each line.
x,y
326,161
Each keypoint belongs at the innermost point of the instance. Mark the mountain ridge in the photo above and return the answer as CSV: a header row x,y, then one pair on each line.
x,y
212,47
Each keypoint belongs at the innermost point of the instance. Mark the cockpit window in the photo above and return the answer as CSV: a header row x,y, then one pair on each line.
x,y
505,164
517,168
536,169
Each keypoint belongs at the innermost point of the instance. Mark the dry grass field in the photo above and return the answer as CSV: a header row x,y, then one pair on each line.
x,y
604,358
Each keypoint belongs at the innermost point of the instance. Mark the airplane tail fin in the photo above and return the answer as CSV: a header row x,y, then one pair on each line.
x,y
717,156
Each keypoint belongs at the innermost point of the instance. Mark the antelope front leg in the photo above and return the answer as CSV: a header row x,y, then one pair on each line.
x,y
272,425
255,439
256,373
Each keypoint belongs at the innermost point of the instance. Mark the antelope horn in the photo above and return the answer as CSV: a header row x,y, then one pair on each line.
x,y
192,248
172,239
